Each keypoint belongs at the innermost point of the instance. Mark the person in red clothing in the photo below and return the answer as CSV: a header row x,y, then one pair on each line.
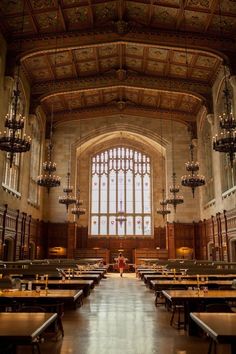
x,y
121,263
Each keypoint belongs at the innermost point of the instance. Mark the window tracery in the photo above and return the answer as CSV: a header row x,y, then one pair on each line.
x,y
121,186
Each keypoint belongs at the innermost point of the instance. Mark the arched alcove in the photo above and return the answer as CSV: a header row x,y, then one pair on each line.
x,y
8,254
89,148
32,250
210,251
232,249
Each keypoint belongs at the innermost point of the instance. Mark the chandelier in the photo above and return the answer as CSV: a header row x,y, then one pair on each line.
x,y
163,210
67,199
48,179
120,218
175,199
13,140
192,180
78,210
226,141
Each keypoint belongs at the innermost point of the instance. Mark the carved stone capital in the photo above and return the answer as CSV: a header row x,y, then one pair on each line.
x,y
232,81
210,118
8,82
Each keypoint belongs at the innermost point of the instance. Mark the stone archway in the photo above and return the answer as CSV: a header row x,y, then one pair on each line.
x,y
232,249
210,251
8,254
32,249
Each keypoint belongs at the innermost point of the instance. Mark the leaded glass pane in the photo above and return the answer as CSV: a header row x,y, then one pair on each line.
x,y
112,225
121,228
94,225
103,198
120,189
147,225
103,225
129,192
130,225
95,199
138,194
146,194
138,225
112,194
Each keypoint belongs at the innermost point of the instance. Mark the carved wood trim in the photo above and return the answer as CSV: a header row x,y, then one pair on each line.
x,y
213,238
16,234
226,236
3,230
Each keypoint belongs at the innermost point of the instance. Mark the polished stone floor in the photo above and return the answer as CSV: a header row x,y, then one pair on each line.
x,y
119,317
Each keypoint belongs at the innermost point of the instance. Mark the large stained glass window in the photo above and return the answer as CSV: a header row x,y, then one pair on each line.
x,y
121,193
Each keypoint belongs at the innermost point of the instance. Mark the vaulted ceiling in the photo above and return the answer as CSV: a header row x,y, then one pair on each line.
x,y
90,58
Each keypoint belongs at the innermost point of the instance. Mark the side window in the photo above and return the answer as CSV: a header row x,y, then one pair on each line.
x,y
206,144
35,157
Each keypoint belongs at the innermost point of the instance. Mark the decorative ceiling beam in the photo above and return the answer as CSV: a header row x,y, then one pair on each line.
x,y
144,36
47,89
103,111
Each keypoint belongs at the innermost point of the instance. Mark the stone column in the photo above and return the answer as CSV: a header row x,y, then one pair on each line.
x,y
71,239
232,81
216,163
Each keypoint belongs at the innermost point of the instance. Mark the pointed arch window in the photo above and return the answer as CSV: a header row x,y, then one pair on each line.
x,y
35,158
206,143
121,186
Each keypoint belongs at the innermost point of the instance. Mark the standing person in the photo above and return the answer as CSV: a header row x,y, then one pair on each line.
x,y
121,263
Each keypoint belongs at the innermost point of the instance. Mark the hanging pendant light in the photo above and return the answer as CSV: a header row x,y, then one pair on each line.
x,y
48,179
192,180
78,210
163,210
12,140
226,141
175,199
120,215
68,198
120,218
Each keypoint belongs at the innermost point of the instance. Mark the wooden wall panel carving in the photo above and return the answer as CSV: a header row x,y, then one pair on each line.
x,y
181,240
209,239
17,231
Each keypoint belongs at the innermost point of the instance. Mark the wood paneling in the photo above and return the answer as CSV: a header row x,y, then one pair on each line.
x,y
209,239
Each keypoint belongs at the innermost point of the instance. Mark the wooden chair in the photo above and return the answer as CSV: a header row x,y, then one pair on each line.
x,y
177,309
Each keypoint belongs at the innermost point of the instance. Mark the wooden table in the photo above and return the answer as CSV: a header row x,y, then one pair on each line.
x,y
44,296
23,328
221,327
85,285
95,277
184,283
192,299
